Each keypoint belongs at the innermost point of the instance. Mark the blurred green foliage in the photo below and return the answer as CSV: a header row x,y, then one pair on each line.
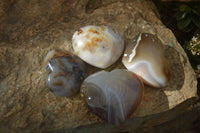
x,y
183,18
187,15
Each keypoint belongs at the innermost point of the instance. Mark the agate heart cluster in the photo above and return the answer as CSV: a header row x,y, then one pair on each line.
x,y
114,95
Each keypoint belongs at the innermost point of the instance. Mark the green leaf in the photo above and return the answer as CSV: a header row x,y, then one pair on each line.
x,y
184,8
180,15
184,22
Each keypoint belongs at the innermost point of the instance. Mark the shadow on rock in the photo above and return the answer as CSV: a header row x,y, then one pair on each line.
x,y
177,71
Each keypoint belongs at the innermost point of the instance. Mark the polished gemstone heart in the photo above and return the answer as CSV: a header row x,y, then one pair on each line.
x,y
114,95
145,57
66,72
99,46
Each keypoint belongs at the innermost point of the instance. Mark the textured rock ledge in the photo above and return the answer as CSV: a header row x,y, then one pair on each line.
x,y
186,120
28,30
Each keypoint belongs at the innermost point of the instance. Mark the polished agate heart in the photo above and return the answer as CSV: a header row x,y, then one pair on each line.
x,y
99,46
145,57
114,95
66,72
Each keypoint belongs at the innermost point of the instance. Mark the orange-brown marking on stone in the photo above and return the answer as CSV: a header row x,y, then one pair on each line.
x,y
59,74
73,60
93,31
102,28
60,53
49,72
59,83
61,64
87,36
96,39
114,30
92,44
79,31
57,53
103,38
167,72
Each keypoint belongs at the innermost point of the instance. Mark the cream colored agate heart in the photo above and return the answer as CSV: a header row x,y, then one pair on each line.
x,y
99,46
145,57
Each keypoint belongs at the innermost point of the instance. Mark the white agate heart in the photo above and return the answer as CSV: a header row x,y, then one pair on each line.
x,y
114,95
145,57
99,46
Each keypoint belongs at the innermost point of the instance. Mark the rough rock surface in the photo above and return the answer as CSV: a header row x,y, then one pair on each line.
x,y
29,29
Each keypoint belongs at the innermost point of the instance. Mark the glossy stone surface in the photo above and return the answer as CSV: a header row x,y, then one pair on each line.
x,y
66,72
145,57
99,46
114,95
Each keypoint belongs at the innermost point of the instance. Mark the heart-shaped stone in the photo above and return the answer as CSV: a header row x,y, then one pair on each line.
x,y
113,96
99,46
66,72
145,57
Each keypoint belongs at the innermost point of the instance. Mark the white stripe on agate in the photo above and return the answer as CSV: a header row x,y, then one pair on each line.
x,y
49,64
111,95
132,55
117,97
159,81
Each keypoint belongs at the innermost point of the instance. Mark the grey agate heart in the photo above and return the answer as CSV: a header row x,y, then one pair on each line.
x,y
114,95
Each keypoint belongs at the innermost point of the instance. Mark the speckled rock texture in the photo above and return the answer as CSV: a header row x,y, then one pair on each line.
x,y
30,29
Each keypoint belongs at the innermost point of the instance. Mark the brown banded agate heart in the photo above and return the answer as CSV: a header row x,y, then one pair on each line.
x,y
144,56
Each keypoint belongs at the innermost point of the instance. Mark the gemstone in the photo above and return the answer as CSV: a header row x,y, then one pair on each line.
x,y
99,46
144,56
65,71
113,96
